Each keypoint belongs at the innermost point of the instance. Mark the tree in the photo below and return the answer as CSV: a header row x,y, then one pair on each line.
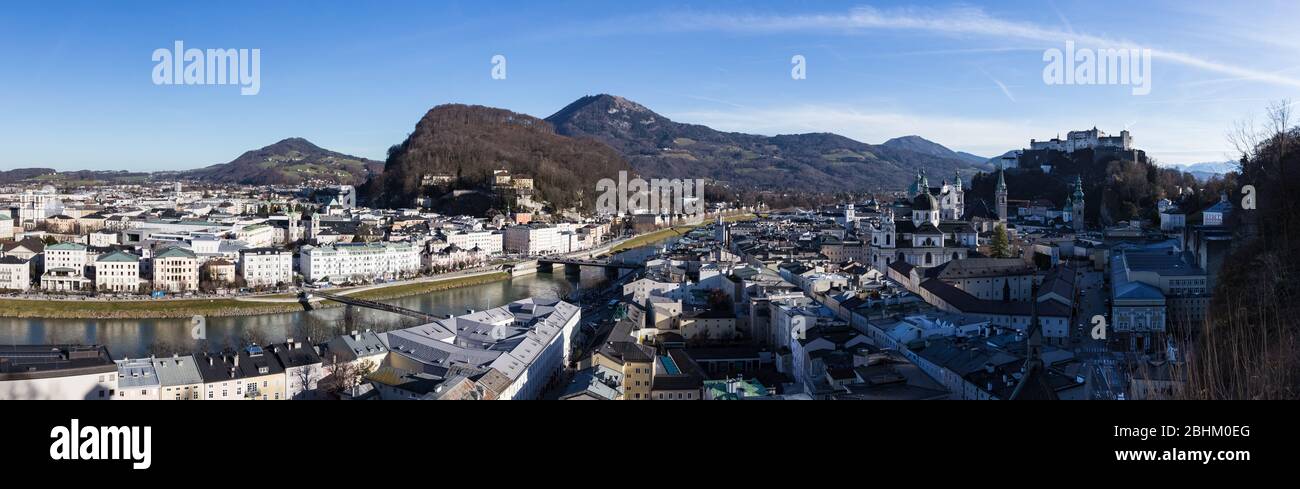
x,y
343,376
1248,345
1001,246
719,300
305,380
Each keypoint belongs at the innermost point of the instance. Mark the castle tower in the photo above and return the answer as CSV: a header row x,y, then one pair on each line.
x,y
1000,195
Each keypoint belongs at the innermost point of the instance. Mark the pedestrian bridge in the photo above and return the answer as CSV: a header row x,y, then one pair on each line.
x,y
424,317
588,262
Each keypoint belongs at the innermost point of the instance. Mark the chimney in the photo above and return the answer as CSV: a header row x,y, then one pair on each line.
x,y
209,360
235,359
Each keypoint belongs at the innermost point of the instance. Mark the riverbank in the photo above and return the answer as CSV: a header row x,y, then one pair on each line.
x,y
186,308
675,231
145,308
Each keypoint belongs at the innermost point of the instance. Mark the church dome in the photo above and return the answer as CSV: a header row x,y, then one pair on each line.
x,y
925,202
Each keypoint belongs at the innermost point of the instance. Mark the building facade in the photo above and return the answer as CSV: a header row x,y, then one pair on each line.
x,y
265,267
354,262
176,270
118,271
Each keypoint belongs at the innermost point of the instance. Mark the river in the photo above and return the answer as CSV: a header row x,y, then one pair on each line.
x,y
140,337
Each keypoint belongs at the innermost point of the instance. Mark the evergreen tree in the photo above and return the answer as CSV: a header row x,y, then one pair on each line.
x,y
1001,247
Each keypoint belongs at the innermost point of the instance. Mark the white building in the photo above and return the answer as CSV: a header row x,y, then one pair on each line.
x,y
489,242
36,205
118,271
6,226
65,267
66,372
15,273
521,346
257,235
176,269
266,267
302,368
359,261
104,238
137,380
536,240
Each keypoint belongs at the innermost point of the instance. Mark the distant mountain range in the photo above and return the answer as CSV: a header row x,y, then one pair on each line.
x,y
1205,170
19,174
656,146
290,162
925,146
591,138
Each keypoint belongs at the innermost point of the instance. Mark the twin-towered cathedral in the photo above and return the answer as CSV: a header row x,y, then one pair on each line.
x,y
926,231
930,228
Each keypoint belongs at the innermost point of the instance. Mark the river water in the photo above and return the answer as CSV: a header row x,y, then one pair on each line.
x,y
141,337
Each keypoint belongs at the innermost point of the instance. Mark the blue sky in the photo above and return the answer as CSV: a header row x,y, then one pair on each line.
x,y
76,89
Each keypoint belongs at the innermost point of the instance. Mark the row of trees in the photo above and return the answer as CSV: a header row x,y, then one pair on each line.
x,y
1249,345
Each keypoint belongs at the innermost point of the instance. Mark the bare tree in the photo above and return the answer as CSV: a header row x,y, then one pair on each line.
x,y
344,376
303,381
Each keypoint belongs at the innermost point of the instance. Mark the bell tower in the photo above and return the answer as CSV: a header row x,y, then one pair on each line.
x,y
1001,195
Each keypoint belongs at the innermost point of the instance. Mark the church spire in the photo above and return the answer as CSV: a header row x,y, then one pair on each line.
x,y
1034,384
1000,195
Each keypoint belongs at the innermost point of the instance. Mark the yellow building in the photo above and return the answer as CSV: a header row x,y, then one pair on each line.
x,y
634,360
248,374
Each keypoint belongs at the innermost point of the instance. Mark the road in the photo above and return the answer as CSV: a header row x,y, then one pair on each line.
x,y
1106,374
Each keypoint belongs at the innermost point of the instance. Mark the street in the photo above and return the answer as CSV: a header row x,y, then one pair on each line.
x,y
1106,376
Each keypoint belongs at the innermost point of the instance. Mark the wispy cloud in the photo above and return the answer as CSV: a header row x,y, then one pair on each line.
x,y
1000,85
961,21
